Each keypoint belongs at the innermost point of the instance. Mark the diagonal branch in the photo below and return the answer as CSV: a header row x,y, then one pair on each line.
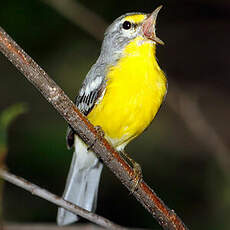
x,y
36,190
55,95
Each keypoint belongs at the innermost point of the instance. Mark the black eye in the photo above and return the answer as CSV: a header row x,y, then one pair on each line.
x,y
126,25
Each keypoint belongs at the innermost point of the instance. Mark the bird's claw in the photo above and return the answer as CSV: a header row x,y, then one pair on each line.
x,y
137,172
137,176
100,133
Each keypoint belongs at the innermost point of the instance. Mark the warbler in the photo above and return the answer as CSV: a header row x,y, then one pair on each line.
x,y
121,94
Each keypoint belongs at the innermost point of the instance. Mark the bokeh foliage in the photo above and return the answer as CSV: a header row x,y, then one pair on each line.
x,y
7,116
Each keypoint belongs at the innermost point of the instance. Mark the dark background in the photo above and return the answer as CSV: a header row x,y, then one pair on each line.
x,y
185,172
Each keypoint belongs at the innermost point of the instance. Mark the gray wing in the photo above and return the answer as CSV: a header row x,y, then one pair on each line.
x,y
92,88
88,95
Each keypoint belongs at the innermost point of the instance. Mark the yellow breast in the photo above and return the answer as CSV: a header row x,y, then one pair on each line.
x,y
134,92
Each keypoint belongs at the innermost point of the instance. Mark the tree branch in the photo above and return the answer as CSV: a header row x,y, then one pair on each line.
x,y
36,190
55,95
48,226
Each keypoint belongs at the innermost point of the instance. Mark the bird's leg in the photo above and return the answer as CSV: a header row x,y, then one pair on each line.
x,y
101,134
136,168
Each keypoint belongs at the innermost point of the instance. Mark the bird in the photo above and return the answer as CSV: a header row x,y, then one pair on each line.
x,y
121,94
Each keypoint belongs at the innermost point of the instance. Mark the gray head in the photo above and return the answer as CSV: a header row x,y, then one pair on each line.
x,y
126,28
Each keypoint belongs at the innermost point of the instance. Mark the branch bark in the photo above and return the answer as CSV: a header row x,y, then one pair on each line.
x,y
48,226
55,95
36,190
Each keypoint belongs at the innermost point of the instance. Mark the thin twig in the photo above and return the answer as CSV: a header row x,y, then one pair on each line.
x,y
36,190
190,113
76,12
55,95
50,226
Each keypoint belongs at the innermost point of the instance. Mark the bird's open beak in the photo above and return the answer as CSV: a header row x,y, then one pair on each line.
x,y
149,26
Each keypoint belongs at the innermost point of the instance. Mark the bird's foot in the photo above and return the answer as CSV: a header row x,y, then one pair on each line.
x,y
99,130
138,175
100,133
136,170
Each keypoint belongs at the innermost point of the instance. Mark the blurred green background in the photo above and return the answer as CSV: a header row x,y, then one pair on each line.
x,y
187,169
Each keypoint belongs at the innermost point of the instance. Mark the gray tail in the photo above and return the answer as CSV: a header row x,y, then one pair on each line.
x,y
82,182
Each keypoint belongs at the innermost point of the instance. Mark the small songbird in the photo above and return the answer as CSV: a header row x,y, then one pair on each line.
x,y
121,94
